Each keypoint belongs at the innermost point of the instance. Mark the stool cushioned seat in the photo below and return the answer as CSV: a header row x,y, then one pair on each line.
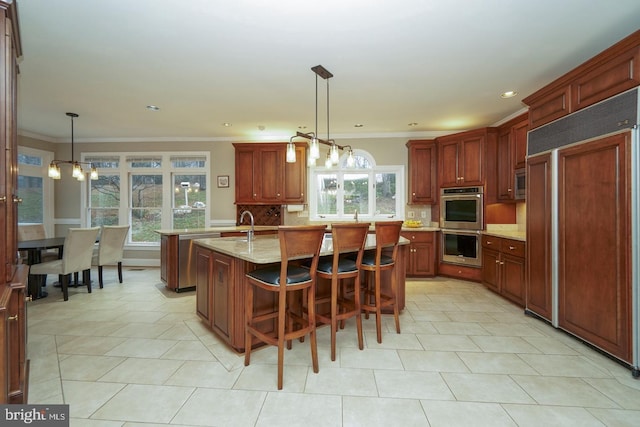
x,y
271,275
369,258
345,265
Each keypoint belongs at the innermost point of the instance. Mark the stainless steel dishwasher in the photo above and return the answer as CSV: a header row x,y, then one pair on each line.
x,y
186,260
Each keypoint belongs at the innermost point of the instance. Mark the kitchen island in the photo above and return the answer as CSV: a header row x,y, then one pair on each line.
x,y
221,265
177,270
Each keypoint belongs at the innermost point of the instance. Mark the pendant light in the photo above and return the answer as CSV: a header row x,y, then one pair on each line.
x,y
76,167
333,156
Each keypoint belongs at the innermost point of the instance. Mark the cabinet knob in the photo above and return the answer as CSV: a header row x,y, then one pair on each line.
x,y
28,298
502,263
497,262
509,190
13,317
511,248
278,194
17,199
3,199
489,242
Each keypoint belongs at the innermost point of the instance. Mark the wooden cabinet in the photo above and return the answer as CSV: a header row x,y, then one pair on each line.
x,y
204,271
169,260
422,253
461,157
422,156
14,372
594,243
264,177
503,267
539,287
607,74
510,155
221,293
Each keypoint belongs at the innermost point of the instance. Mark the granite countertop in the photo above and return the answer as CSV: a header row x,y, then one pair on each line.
x,y
266,249
221,229
515,235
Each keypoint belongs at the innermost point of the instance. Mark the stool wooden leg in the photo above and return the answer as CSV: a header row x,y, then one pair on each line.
x,y
378,310
282,307
394,295
334,313
312,333
356,300
248,315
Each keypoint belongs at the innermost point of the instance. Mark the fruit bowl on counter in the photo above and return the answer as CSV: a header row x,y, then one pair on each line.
x,y
412,223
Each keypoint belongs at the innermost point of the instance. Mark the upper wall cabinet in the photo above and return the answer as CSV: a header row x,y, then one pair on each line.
x,y
264,177
510,155
609,73
461,157
422,172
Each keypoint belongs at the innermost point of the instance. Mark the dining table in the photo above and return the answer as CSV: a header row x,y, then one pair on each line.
x,y
34,249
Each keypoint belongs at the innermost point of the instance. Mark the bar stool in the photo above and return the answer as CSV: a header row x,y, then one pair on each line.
x,y
346,238
296,242
376,261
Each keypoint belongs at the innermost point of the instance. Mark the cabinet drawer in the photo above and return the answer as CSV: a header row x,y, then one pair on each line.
x,y
491,242
418,236
513,247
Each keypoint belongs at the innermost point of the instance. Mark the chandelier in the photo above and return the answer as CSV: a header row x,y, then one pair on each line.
x,y
333,155
76,166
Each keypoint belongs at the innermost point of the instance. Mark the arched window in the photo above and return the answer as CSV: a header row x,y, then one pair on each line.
x,y
373,192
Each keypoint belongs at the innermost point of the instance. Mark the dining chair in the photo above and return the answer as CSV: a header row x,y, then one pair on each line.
x,y
36,232
346,238
283,279
374,262
111,248
76,256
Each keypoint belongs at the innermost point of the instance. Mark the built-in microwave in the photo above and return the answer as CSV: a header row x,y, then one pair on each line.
x,y
520,184
462,208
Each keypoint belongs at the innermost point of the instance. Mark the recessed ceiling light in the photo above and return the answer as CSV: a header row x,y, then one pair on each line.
x,y
302,127
227,125
358,125
261,127
508,94
153,108
412,124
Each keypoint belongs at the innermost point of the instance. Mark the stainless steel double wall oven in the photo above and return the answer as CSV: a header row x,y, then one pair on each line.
x,y
462,222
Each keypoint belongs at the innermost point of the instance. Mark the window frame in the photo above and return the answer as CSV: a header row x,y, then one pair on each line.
x,y
166,170
41,171
340,172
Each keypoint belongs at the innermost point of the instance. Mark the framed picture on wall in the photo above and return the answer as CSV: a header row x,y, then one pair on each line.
x,y
223,181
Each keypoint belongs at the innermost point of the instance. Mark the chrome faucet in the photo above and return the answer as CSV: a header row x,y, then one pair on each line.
x,y
356,216
250,233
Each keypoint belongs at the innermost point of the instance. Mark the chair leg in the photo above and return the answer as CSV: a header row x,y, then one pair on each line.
x,y
357,302
378,310
64,281
248,315
282,307
334,313
313,342
120,271
86,278
100,276
394,295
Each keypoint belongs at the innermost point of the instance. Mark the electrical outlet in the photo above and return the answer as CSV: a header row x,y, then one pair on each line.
x,y
410,214
423,214
303,214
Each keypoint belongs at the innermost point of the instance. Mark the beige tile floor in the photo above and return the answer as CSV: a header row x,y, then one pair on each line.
x,y
135,354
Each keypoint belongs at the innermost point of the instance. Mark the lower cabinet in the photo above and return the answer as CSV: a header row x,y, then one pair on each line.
x,y
503,267
14,375
421,261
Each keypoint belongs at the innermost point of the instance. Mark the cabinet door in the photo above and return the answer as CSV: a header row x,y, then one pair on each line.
x,y
594,243
204,283
504,166
470,160
491,269
222,293
423,259
269,171
295,177
422,172
245,167
538,283
519,137
513,278
448,163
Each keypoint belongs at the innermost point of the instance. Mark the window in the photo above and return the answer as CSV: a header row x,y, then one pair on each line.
x,y
149,192
34,188
374,192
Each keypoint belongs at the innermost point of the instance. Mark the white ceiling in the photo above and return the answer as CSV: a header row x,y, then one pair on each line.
x,y
439,63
